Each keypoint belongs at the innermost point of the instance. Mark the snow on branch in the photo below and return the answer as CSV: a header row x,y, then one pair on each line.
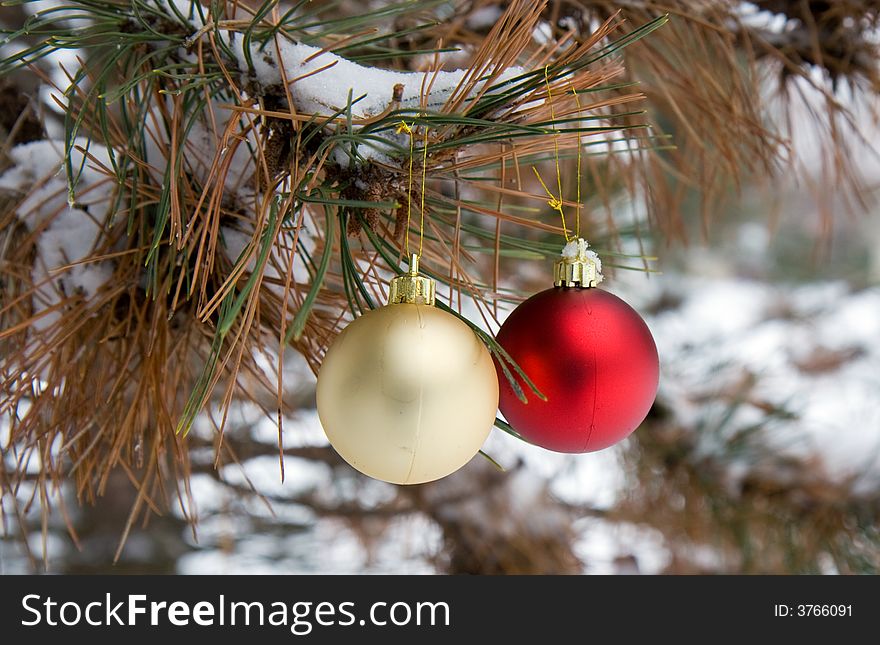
x,y
69,233
321,82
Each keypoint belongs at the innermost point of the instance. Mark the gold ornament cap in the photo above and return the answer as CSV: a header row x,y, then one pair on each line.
x,y
578,266
411,287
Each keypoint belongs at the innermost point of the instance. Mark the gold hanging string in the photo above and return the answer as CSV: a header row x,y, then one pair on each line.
x,y
424,179
555,202
556,134
577,211
403,126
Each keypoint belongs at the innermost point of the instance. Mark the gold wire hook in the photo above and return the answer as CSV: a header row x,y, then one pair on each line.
x,y
403,126
554,202
422,195
577,211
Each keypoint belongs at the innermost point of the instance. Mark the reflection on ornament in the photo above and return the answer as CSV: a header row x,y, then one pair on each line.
x,y
407,393
588,352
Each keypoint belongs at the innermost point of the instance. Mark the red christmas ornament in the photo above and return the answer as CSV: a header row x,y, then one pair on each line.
x,y
588,352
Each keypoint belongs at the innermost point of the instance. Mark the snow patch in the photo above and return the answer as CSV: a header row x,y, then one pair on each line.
x,y
322,81
68,234
484,17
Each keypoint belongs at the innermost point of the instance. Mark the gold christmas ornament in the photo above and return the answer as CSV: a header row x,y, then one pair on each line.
x,y
407,393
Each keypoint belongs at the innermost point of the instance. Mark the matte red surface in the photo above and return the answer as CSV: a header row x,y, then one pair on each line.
x,y
594,359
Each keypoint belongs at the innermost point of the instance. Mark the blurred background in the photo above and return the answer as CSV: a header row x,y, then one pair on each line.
x,y
762,451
